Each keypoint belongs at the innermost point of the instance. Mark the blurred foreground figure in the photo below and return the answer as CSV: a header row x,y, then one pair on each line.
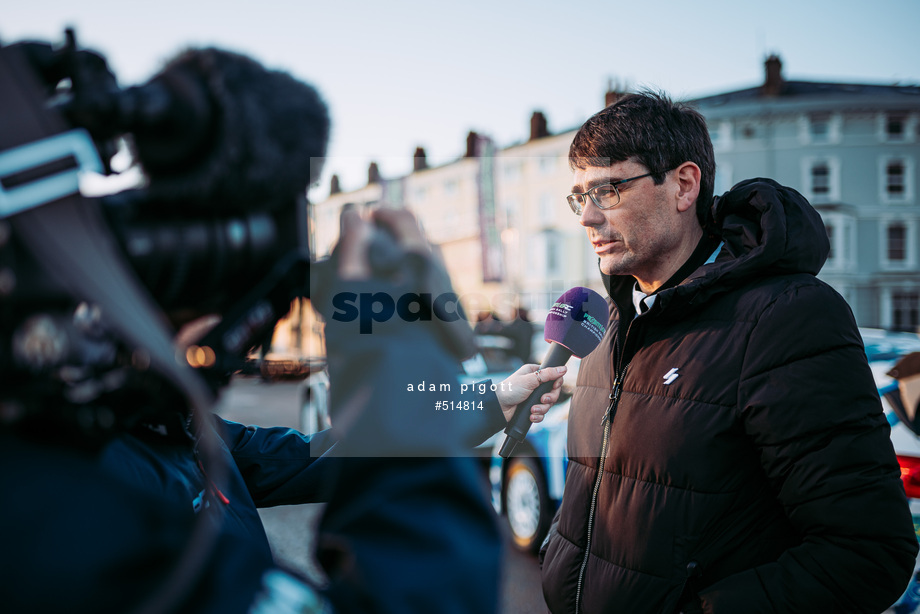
x,y
122,491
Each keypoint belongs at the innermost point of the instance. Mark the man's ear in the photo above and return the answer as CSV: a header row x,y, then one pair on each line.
x,y
688,186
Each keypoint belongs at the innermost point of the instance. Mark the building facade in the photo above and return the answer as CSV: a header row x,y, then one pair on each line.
x,y
497,215
852,150
508,237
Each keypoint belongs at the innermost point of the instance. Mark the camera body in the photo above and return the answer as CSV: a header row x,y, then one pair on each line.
x,y
94,290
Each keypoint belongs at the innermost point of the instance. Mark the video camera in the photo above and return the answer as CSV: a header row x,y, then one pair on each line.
x,y
93,290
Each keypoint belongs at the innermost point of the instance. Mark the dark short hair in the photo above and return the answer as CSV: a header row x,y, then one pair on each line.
x,y
656,132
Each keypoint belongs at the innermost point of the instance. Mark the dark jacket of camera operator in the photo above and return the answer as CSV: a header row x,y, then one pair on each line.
x,y
407,525
267,466
77,539
399,534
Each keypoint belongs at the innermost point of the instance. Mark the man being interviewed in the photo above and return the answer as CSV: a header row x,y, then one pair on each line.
x,y
728,451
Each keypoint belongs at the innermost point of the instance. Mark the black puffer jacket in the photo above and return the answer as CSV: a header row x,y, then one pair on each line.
x,y
746,463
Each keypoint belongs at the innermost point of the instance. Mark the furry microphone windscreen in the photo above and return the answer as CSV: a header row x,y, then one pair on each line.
x,y
230,134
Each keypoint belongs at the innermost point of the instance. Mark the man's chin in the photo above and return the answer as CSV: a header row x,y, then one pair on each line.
x,y
614,266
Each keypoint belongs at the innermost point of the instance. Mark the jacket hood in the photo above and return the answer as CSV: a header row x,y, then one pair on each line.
x,y
768,228
765,229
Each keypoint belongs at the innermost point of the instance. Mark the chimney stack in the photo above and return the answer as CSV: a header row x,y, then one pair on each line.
x,y
334,187
612,94
373,173
471,141
538,127
773,83
419,160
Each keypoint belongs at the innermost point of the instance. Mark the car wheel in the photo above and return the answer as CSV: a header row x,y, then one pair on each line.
x,y
526,504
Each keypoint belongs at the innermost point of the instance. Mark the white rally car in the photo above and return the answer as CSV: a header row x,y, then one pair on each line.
x,y
884,349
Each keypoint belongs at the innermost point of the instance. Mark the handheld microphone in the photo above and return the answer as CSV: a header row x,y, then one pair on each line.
x,y
575,326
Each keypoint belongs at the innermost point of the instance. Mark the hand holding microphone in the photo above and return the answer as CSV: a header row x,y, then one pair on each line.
x,y
519,385
575,326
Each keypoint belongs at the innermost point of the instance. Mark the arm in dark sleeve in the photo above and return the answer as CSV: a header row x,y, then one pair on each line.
x,y
490,419
408,526
280,466
811,407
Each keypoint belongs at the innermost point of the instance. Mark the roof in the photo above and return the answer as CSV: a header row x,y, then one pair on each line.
x,y
809,91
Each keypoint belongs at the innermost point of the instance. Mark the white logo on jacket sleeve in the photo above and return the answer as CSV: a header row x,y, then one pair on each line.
x,y
670,376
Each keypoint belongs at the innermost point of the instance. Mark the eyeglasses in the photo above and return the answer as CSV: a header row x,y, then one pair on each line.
x,y
605,196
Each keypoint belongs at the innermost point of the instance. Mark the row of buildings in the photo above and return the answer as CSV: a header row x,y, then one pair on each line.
x,y
500,218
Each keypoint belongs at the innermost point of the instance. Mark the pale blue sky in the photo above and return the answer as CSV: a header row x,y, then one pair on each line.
x,y
398,74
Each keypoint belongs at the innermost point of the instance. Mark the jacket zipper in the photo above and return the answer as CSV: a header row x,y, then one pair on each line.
x,y
606,422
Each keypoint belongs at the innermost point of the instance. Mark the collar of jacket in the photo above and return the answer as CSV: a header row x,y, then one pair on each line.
x,y
620,287
766,229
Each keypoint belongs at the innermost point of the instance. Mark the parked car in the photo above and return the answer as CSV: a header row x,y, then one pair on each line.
x,y
884,349
314,402
527,488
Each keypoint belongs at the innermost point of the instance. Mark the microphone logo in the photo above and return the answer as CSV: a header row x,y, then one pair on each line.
x,y
576,320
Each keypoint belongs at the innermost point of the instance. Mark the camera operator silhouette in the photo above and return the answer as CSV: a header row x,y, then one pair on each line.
x,y
124,491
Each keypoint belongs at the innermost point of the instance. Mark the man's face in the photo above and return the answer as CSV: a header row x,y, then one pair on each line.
x,y
643,234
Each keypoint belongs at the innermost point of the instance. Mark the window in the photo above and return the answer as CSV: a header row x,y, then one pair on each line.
x,y
895,127
552,250
511,214
548,204
552,254
897,242
819,127
820,179
714,134
547,165
720,133
898,127
905,310
894,179
512,170
830,237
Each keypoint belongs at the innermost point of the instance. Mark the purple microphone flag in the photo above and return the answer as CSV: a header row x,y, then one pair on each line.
x,y
577,321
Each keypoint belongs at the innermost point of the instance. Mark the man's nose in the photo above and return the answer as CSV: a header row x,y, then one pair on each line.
x,y
591,215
